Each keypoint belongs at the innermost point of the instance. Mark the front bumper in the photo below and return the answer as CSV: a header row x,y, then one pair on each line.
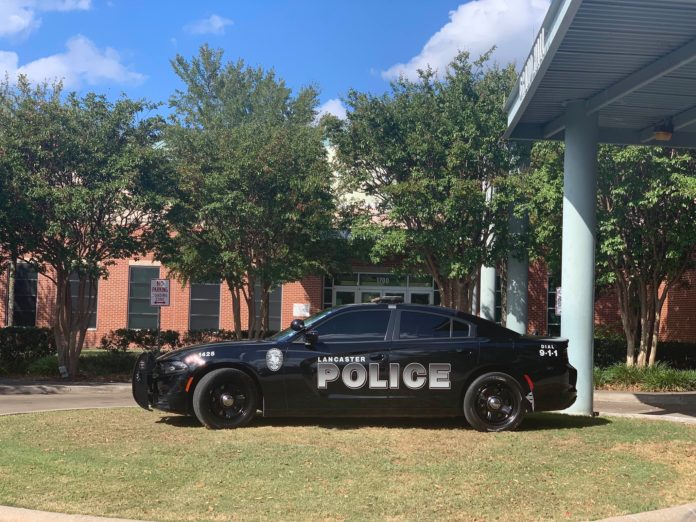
x,y
161,392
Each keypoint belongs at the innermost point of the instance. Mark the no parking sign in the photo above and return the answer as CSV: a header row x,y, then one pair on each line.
x,y
159,292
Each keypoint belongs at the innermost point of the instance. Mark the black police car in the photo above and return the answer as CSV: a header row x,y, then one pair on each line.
x,y
379,360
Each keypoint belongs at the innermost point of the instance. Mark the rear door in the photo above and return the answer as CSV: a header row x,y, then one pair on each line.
x,y
346,370
434,353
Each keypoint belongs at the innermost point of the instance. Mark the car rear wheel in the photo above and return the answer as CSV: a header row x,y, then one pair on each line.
x,y
225,398
494,402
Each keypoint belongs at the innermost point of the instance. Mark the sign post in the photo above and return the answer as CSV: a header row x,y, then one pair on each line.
x,y
159,297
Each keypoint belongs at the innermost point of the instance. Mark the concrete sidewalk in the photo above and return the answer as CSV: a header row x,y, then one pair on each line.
x,y
671,406
12,514
23,397
685,513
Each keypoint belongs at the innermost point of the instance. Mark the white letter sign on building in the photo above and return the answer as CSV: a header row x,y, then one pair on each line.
x,y
159,292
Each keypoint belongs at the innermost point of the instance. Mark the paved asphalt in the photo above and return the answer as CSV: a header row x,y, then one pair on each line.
x,y
22,397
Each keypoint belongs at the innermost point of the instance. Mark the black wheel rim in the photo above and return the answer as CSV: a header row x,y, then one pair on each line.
x,y
496,404
229,401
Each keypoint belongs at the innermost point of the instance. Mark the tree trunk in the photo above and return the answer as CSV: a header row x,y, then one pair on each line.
x,y
647,322
262,324
249,291
630,314
236,309
11,273
70,326
659,302
457,294
655,338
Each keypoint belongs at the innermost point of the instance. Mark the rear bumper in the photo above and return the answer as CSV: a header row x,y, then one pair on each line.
x,y
555,389
161,392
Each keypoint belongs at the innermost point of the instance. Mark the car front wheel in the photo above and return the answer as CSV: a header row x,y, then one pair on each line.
x,y
225,398
494,402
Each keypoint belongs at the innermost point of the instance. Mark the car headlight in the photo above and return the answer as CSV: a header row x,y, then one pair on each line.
x,y
170,367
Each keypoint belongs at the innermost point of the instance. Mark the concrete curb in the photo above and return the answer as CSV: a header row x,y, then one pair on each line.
x,y
65,409
648,417
12,514
57,389
685,513
666,398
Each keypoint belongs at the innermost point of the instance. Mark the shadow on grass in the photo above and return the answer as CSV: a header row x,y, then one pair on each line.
x,y
533,422
559,421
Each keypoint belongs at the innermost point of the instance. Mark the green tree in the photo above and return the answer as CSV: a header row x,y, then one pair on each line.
x,y
646,232
91,180
255,200
427,152
646,236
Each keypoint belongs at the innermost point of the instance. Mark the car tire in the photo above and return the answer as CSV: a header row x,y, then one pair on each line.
x,y
225,398
494,402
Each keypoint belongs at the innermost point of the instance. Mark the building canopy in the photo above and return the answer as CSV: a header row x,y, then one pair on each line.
x,y
632,62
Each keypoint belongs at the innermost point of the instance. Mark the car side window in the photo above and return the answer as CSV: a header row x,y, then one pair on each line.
x,y
460,329
369,325
419,325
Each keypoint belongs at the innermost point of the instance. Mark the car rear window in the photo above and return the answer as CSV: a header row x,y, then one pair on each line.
x,y
419,325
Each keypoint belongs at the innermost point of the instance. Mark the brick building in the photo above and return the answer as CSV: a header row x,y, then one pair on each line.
x,y
122,300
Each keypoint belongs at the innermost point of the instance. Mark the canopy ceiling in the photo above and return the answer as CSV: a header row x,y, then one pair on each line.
x,y
632,61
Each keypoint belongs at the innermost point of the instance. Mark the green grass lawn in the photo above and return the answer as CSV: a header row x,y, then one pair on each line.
x,y
135,464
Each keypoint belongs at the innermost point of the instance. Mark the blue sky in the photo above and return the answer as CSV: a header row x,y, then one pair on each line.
x,y
115,46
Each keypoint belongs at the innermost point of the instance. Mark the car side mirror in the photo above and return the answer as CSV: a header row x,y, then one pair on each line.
x,y
297,325
311,338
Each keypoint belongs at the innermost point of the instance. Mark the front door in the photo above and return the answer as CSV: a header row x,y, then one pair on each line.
x,y
345,371
434,353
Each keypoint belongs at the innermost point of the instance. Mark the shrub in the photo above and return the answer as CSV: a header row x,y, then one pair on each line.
x,y
19,346
45,367
209,336
660,377
124,338
611,351
112,362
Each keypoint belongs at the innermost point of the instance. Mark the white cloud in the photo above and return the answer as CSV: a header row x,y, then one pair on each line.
x,y
82,63
214,24
20,17
333,106
476,26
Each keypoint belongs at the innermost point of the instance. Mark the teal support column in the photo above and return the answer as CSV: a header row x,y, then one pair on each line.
x,y
517,281
487,278
487,302
578,258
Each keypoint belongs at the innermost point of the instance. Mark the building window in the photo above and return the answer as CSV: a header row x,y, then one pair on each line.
x,y
90,298
204,310
328,291
275,300
498,318
552,320
362,287
140,313
25,290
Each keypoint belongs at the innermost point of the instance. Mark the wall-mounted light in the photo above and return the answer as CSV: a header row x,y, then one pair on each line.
x,y
663,132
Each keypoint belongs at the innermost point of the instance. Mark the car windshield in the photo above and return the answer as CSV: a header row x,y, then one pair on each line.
x,y
284,335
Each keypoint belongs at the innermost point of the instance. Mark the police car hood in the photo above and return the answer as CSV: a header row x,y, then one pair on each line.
x,y
228,348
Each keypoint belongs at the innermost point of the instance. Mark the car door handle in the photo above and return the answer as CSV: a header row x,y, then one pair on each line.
x,y
377,357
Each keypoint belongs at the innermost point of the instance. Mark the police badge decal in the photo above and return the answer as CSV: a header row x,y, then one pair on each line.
x,y
274,359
